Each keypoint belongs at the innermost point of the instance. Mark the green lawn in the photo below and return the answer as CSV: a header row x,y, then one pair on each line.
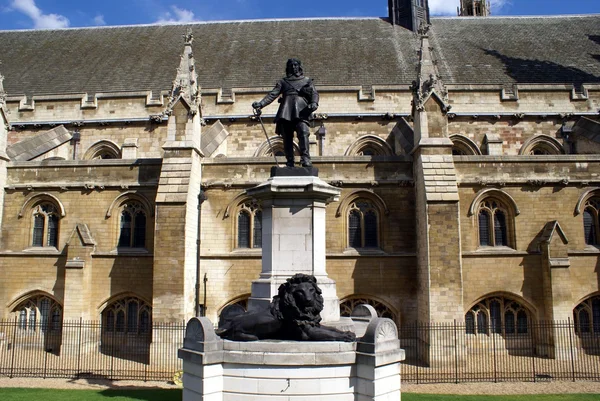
x,y
39,394
27,394
539,397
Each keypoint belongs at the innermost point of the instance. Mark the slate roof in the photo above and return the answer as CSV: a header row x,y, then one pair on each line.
x,y
507,50
243,54
588,128
30,148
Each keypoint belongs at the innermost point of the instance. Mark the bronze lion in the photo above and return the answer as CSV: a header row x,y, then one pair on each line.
x,y
294,314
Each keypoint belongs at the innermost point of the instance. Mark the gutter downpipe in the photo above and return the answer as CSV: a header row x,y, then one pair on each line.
x,y
199,311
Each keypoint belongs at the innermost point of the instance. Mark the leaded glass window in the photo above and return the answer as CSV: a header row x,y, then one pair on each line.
x,y
45,225
587,316
39,313
132,233
363,225
249,226
498,315
590,221
493,225
127,315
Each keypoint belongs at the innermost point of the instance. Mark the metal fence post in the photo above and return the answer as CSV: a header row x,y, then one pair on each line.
x,y
534,351
455,353
571,347
417,348
79,348
14,346
494,352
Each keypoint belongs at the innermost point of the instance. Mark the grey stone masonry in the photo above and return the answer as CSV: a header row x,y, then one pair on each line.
x,y
174,180
439,177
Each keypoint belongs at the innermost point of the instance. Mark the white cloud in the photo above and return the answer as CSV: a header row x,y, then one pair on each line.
x,y
40,20
99,20
178,15
443,7
449,7
497,5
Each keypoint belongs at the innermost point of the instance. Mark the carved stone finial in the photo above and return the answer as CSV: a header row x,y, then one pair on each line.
x,y
428,82
188,37
185,84
424,29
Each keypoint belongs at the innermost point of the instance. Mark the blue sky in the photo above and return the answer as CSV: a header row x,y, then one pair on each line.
x,y
43,14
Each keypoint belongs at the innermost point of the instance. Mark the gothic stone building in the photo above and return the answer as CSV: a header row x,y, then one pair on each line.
x,y
467,155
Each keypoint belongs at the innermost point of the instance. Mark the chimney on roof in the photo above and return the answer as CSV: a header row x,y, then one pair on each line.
x,y
409,13
474,8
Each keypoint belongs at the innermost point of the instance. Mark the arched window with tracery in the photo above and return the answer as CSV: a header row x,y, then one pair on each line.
x,y
45,225
587,316
541,145
463,146
369,145
492,219
103,150
363,224
249,225
127,315
590,221
132,229
39,313
498,315
347,305
233,308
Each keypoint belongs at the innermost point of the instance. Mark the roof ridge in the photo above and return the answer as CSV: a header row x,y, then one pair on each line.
x,y
561,16
198,23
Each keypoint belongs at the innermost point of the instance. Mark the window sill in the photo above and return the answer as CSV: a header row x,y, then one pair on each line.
x,y
495,250
42,250
129,251
364,251
247,252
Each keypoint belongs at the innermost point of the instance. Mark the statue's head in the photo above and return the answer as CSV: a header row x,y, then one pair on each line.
x,y
294,68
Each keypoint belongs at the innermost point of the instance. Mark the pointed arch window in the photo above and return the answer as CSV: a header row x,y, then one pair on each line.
x,y
363,224
498,315
587,316
348,305
590,221
493,224
127,315
39,313
45,225
249,225
132,232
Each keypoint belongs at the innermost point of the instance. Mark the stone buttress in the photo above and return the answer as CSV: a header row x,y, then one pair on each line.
x,y
176,239
438,234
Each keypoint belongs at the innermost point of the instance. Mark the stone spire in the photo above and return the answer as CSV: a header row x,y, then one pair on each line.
x,y
474,8
410,14
429,82
185,85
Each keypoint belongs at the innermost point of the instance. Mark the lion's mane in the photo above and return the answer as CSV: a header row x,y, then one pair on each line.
x,y
284,305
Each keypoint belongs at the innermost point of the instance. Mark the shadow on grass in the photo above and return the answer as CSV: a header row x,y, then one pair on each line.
x,y
145,394
529,397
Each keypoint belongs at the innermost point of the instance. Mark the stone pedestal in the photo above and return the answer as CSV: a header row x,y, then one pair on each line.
x,y
293,237
221,370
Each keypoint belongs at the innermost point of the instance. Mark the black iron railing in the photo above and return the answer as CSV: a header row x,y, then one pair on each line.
x,y
82,349
435,353
538,351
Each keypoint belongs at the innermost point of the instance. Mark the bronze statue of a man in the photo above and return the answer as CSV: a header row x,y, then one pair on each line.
x,y
299,99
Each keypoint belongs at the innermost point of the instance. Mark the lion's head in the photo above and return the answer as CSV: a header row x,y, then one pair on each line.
x,y
299,299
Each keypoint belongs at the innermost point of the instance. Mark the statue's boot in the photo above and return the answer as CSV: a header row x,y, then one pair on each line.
x,y
303,134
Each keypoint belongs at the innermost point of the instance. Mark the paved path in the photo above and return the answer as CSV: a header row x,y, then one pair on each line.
x,y
463,388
